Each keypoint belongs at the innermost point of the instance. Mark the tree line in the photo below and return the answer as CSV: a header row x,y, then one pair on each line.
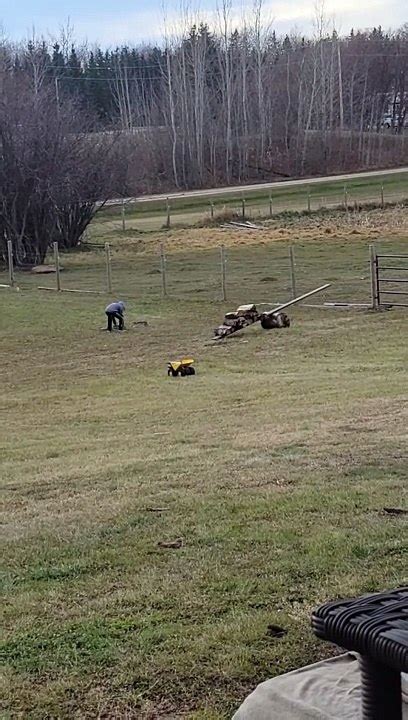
x,y
227,105
207,107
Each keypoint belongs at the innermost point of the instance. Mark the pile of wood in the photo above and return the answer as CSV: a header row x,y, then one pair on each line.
x,y
242,226
247,315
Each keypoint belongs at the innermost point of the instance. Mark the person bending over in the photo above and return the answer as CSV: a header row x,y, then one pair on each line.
x,y
114,313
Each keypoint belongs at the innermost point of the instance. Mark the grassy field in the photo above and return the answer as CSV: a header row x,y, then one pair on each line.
x,y
273,464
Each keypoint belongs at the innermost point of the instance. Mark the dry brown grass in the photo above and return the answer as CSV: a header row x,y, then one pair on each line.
x,y
366,225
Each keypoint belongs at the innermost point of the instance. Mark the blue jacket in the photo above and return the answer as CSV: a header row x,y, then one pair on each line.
x,y
116,307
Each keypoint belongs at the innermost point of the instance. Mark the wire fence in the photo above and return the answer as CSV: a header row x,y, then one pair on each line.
x,y
127,216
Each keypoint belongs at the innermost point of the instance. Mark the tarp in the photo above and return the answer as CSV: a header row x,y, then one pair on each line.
x,y
328,690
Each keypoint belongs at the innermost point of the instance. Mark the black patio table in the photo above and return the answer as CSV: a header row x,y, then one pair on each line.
x,y
376,627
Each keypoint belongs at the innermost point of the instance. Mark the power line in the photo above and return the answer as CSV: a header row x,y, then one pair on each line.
x,y
105,79
81,67
85,68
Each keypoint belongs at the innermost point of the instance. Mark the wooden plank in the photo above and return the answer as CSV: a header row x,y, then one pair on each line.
x,y
298,299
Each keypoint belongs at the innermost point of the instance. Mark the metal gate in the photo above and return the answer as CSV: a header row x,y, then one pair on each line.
x,y
394,264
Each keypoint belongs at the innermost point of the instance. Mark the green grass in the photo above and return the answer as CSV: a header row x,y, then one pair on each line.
x,y
273,464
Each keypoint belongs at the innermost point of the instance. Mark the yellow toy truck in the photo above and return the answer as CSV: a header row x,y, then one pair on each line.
x,y
181,367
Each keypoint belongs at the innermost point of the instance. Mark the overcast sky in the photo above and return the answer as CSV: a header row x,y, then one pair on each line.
x,y
112,22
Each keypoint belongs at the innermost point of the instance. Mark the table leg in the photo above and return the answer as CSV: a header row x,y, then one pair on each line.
x,y
380,690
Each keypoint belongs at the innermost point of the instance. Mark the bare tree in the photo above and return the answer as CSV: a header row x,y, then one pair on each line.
x,y
53,176
224,13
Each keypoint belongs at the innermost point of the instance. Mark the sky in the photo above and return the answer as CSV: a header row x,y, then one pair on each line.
x,y
115,22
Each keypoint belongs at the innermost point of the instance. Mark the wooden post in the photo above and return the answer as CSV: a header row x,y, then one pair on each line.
x,y
382,195
223,274
123,216
212,210
309,201
163,270
108,268
270,206
374,277
292,270
345,198
57,266
10,262
168,219
243,208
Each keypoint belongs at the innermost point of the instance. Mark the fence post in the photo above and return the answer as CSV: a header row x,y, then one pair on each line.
x,y
345,198
10,262
309,201
123,212
168,219
382,195
57,266
163,270
270,206
374,277
223,273
243,208
108,268
212,210
292,270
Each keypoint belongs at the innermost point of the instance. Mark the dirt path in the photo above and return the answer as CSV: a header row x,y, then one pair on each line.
x,y
261,186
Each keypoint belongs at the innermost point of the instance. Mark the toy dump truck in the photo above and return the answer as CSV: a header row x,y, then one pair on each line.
x,y
181,367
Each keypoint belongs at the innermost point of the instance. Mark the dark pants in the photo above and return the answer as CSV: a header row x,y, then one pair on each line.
x,y
112,317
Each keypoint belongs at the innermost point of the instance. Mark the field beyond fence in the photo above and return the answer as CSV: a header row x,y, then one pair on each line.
x,y
195,209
